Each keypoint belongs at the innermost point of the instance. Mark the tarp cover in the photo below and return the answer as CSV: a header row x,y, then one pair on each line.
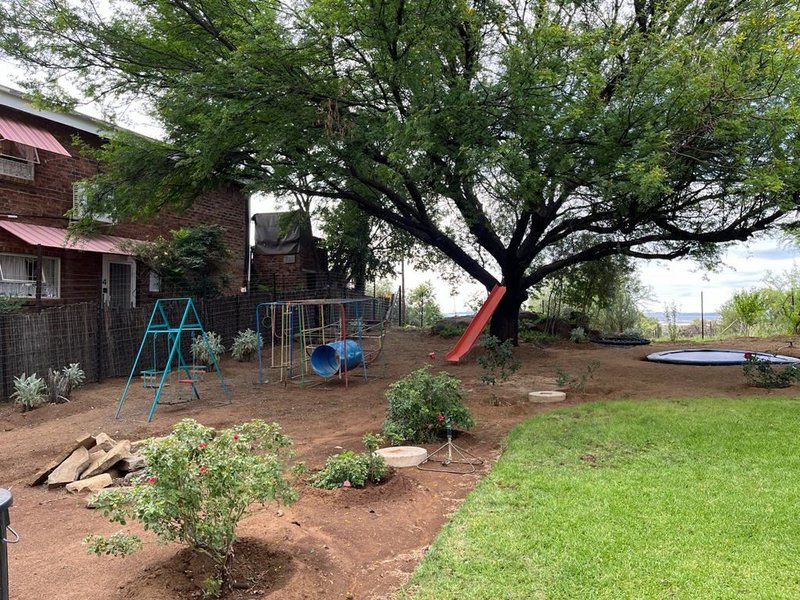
x,y
279,233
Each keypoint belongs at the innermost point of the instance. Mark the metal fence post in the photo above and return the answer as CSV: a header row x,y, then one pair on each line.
x,y
5,526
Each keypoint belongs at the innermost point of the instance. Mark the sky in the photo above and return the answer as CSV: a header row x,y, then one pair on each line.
x,y
744,265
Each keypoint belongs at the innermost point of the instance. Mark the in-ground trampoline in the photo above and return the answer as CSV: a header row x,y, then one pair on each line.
x,y
716,356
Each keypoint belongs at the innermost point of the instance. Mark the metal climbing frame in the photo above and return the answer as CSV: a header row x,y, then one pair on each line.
x,y
293,330
160,324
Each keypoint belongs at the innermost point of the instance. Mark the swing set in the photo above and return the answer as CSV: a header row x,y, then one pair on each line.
x,y
175,373
313,341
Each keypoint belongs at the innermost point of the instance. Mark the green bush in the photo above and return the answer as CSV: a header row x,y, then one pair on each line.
x,y
29,392
760,373
199,482
498,360
245,345
200,348
419,405
348,469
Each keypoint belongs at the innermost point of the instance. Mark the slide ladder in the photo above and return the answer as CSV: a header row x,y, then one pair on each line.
x,y
479,321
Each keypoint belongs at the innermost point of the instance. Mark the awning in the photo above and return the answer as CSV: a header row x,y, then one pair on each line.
x,y
54,237
30,135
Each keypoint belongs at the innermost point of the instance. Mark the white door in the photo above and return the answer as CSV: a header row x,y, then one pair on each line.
x,y
119,281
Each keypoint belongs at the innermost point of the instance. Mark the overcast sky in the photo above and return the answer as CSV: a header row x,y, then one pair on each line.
x,y
744,266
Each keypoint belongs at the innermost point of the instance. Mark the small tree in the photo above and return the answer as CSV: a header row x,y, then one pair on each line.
x,y
422,309
671,315
748,307
198,484
192,260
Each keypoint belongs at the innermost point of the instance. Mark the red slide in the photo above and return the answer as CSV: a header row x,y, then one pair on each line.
x,y
479,321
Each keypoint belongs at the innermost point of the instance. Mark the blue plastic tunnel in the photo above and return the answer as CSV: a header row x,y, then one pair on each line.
x,y
326,360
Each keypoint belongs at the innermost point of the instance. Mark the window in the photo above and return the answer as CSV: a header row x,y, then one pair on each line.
x,y
18,276
79,203
155,282
17,160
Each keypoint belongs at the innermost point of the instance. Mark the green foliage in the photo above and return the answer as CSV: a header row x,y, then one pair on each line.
x,y
447,329
419,405
61,383
74,375
245,345
421,307
348,469
200,348
763,374
119,544
578,335
673,491
498,360
671,311
29,391
10,305
577,382
199,484
192,260
748,307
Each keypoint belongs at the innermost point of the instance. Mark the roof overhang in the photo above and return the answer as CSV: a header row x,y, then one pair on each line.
x,y
19,101
55,237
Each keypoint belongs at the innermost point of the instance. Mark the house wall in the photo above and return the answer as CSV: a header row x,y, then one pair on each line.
x,y
46,199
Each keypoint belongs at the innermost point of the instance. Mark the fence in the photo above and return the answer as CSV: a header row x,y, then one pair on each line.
x,y
105,340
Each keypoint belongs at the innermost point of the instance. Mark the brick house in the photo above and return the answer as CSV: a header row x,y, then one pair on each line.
x,y
286,256
41,170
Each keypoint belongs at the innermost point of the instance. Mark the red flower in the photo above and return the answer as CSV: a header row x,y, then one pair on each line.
x,y
201,445
236,436
440,418
748,355
203,469
151,480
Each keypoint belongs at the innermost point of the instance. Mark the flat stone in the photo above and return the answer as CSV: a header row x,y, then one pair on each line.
x,y
403,456
92,484
132,462
546,397
85,441
104,442
108,460
69,470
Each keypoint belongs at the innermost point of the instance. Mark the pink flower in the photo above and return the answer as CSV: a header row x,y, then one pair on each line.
x,y
432,355
202,445
203,469
440,418
236,436
151,480
346,483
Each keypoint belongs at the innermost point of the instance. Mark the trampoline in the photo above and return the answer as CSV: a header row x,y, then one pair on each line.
x,y
716,356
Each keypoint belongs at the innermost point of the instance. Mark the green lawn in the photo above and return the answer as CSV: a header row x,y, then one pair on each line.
x,y
695,499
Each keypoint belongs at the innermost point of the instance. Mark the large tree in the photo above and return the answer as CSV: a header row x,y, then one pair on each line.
x,y
514,138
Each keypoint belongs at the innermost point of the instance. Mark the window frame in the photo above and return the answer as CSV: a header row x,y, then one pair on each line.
x,y
57,274
79,203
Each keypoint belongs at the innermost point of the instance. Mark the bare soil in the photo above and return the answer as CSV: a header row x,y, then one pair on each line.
x,y
343,543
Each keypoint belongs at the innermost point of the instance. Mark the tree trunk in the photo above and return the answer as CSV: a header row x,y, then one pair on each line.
x,y
505,320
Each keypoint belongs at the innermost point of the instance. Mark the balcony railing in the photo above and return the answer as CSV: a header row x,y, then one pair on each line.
x,y
27,289
16,168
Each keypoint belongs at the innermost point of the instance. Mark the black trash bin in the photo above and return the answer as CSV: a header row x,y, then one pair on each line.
x,y
5,539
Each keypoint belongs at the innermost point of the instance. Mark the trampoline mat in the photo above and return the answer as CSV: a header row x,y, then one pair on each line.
x,y
716,356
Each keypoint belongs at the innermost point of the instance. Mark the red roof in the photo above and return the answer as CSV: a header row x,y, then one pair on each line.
x,y
30,135
54,237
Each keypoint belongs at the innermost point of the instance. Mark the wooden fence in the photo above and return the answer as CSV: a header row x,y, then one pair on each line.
x,y
105,340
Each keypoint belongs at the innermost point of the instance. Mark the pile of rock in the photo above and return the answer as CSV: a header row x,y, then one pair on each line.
x,y
91,463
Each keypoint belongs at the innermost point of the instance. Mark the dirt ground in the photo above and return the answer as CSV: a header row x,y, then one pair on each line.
x,y
330,544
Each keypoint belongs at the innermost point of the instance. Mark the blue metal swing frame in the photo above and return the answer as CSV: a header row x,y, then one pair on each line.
x,y
159,324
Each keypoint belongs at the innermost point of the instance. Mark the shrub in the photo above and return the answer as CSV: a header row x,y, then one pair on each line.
x,y
245,345
578,335
348,469
447,329
61,383
198,484
418,403
200,348
671,311
498,360
576,382
29,392
761,373
10,305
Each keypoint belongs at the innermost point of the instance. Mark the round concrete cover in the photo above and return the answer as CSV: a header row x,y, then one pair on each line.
x,y
546,396
716,356
403,456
